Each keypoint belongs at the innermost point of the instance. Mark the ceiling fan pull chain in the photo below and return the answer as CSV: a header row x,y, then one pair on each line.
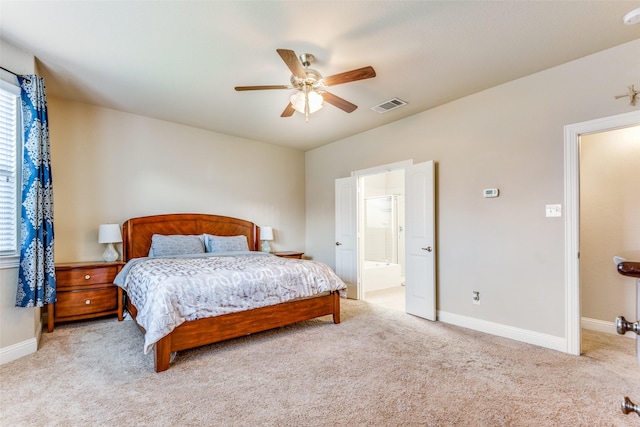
x,y
306,104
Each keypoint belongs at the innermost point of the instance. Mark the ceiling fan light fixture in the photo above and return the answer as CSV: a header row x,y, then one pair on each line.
x,y
299,101
632,17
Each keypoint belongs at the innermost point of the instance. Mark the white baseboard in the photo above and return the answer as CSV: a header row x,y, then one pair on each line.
x,y
603,326
16,351
523,335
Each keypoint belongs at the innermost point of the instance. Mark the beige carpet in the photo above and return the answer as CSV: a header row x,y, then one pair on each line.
x,y
393,298
379,367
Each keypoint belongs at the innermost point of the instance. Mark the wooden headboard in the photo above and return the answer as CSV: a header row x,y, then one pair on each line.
x,y
137,232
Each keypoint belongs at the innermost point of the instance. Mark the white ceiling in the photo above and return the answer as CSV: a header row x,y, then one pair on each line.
x,y
180,60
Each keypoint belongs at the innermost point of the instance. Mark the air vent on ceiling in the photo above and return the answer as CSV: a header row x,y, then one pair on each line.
x,y
389,105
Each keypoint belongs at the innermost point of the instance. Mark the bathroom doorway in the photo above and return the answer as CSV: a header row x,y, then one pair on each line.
x,y
572,137
609,226
416,234
383,239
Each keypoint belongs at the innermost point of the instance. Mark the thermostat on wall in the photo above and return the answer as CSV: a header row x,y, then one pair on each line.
x,y
490,192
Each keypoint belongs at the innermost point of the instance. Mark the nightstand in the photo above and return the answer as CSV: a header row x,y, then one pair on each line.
x,y
289,254
85,290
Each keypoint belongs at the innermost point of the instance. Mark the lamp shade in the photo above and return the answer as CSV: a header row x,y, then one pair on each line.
x,y
299,101
109,233
266,233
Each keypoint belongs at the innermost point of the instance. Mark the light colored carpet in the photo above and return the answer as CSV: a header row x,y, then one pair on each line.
x,y
393,298
379,367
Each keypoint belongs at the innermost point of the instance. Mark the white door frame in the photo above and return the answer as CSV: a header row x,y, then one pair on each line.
x,y
572,135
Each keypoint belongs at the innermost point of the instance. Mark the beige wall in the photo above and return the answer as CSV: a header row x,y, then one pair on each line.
x,y
509,137
609,221
19,327
109,166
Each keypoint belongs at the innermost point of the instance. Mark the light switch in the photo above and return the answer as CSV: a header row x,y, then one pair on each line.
x,y
553,210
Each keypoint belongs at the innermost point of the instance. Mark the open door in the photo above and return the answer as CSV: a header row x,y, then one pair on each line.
x,y
346,237
420,240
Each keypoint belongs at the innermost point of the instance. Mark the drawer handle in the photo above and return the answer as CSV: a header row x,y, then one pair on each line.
x,y
87,276
88,302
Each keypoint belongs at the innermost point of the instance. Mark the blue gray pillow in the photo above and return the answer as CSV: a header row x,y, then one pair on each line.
x,y
225,243
176,244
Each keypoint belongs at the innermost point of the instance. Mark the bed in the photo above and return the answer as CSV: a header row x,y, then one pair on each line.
x,y
138,234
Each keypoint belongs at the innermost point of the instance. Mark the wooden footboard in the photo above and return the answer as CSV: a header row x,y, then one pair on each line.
x,y
234,325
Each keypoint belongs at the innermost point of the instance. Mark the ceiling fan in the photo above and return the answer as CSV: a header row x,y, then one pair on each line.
x,y
311,87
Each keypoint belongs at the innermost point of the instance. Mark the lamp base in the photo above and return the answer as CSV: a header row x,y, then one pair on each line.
x,y
265,246
110,254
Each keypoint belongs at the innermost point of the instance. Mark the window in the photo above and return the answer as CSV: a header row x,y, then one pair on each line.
x,y
10,147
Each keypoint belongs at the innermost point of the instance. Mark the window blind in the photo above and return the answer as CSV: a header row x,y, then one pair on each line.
x,y
9,144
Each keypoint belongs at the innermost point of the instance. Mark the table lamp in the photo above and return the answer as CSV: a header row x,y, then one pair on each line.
x,y
266,234
109,234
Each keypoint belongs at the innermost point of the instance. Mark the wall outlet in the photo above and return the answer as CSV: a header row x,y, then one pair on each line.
x,y
476,297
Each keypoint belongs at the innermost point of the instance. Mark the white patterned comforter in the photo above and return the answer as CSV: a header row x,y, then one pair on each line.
x,y
168,291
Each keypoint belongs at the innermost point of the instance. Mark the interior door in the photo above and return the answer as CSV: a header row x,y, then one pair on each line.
x,y
420,240
346,234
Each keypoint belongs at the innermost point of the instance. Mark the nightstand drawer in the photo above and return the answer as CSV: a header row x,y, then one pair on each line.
x,y
289,254
85,276
78,303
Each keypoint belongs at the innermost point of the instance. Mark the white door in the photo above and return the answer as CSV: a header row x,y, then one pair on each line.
x,y
420,240
347,234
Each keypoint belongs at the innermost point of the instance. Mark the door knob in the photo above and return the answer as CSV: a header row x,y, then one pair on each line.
x,y
428,249
628,406
622,326
338,244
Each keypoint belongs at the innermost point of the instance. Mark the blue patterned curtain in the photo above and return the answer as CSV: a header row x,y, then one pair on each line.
x,y
36,276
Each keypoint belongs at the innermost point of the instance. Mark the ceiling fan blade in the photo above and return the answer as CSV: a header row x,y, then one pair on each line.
x,y
268,87
350,76
336,101
288,112
289,57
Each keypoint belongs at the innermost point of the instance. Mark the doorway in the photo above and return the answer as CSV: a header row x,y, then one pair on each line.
x,y
609,226
419,232
573,135
381,224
